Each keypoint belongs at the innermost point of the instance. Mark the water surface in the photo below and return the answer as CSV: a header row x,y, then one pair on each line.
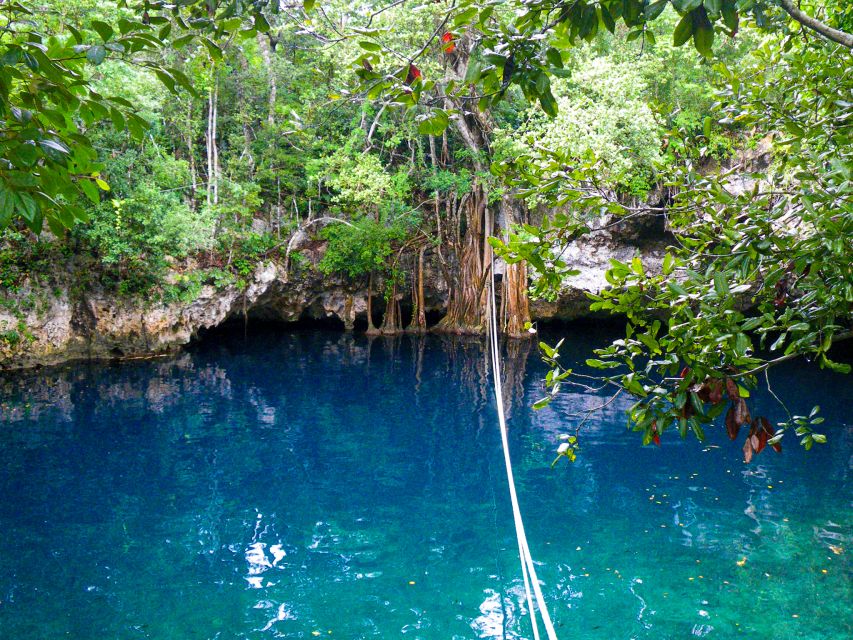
x,y
312,484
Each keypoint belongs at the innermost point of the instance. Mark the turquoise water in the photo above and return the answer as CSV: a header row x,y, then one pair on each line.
x,y
311,484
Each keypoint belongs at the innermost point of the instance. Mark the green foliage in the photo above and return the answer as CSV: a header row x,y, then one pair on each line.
x,y
443,181
21,259
359,248
49,105
602,114
760,274
147,221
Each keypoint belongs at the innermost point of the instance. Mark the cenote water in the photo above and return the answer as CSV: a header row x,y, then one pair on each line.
x,y
311,484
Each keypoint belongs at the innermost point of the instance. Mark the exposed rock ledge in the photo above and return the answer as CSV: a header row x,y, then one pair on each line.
x,y
56,326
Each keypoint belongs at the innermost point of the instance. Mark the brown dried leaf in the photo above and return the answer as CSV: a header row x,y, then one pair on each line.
x,y
715,395
732,427
763,434
732,390
741,412
747,450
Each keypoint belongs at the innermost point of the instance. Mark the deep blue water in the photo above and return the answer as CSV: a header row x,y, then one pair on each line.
x,y
315,484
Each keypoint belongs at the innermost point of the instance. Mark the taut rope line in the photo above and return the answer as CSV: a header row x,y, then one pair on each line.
x,y
528,570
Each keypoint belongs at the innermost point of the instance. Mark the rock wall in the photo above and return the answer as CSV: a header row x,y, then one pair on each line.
x,y
48,325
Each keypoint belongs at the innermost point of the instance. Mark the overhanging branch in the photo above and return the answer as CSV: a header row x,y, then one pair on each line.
x,y
841,37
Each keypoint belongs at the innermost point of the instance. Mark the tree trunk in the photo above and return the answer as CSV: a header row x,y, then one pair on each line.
x,y
264,48
391,324
418,323
212,149
191,154
466,311
371,328
245,119
466,308
515,305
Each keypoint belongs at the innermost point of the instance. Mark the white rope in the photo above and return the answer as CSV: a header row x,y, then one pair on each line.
x,y
528,570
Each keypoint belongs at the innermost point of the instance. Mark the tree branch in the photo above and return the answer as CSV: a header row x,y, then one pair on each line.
x,y
841,37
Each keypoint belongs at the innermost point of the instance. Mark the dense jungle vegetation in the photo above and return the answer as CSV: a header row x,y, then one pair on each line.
x,y
159,146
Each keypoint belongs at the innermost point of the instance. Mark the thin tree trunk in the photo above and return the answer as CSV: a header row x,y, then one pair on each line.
x,y
212,150
216,166
266,55
244,119
371,328
191,153
391,319
418,323
209,148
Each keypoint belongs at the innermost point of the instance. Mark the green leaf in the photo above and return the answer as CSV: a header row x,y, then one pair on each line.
x,y
117,118
434,123
720,285
547,350
96,54
88,187
24,155
167,79
212,48
778,342
367,45
668,264
27,206
554,57
549,104
125,26
179,43
104,30
7,206
465,16
637,266
654,9
683,30
713,6
182,79
607,18
730,16
703,39
541,404
308,5
54,145
686,5
677,289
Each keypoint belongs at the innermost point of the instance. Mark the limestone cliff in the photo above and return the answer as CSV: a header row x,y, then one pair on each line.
x,y
44,325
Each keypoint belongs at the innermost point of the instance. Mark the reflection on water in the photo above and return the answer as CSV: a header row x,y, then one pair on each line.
x,y
316,484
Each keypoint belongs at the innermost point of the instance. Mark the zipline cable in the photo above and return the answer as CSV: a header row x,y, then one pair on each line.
x,y
528,569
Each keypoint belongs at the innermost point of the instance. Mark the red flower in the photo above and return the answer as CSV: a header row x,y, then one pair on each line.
x,y
414,74
449,45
